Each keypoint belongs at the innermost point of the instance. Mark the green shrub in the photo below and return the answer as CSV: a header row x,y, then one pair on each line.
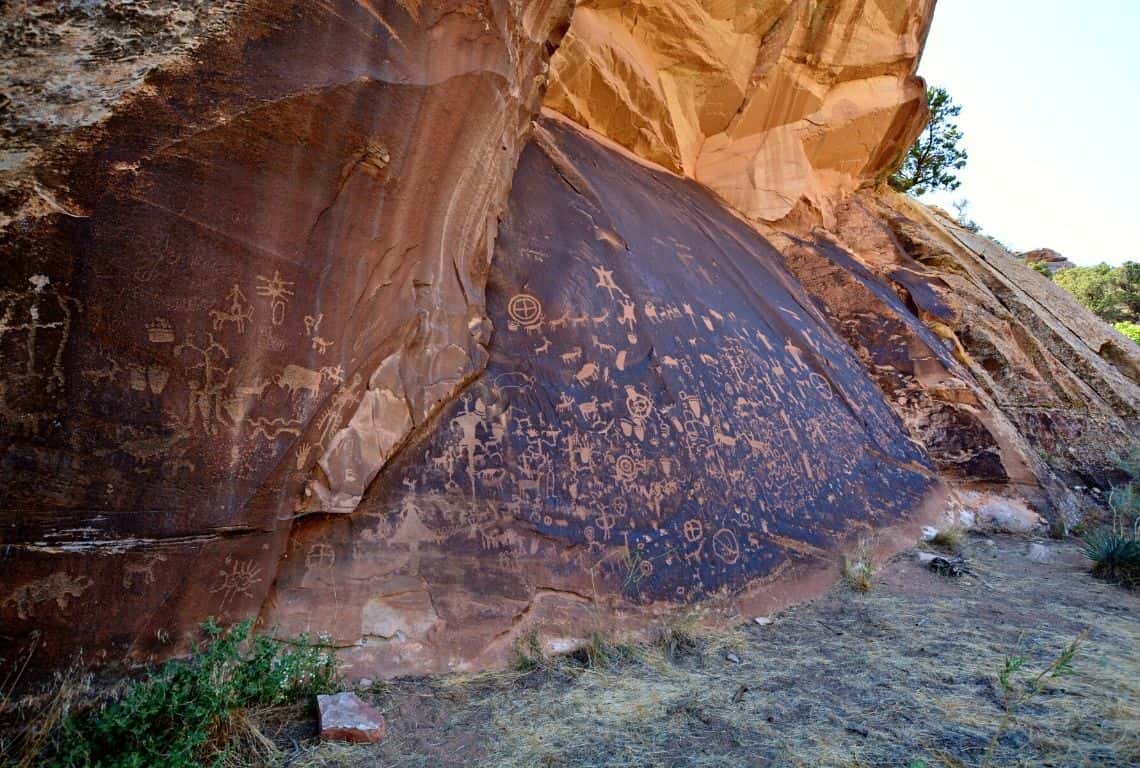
x,y
1131,330
529,655
1115,549
190,713
1113,293
1115,555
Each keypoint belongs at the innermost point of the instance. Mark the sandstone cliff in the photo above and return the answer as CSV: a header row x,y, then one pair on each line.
x,y
308,313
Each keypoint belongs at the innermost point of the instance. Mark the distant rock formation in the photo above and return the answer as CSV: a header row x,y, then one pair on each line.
x,y
316,313
1052,260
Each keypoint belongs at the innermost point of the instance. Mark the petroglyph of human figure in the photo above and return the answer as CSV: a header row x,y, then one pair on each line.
x,y
628,316
239,313
41,318
606,281
278,292
207,389
468,423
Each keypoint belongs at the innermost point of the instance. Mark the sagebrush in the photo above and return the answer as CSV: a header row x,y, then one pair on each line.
x,y
192,713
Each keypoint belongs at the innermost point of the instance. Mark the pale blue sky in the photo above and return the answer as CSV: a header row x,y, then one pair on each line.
x,y
1050,95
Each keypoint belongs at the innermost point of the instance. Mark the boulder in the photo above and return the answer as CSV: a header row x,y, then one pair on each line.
x,y
646,422
1052,260
347,717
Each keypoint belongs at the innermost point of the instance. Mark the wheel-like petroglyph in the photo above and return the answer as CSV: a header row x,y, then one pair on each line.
x,y
525,311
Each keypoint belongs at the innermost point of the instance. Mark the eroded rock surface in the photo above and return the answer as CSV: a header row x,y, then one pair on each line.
x,y
768,104
226,304
665,417
267,349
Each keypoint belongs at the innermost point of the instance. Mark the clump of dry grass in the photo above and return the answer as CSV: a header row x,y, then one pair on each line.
x,y
949,539
678,637
29,727
859,567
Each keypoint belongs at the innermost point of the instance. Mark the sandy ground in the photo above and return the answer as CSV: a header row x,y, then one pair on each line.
x,y
905,675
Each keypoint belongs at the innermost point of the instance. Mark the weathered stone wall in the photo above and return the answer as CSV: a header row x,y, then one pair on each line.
x,y
274,344
665,418
773,105
229,299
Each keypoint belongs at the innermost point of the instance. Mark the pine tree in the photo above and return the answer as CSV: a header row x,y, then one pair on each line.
x,y
932,163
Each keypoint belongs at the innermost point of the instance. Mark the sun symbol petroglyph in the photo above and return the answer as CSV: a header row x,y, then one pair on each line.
x,y
821,386
725,546
239,577
525,310
692,530
278,292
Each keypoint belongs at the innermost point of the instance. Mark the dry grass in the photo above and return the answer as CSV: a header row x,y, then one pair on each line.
x,y
906,675
949,539
859,567
31,724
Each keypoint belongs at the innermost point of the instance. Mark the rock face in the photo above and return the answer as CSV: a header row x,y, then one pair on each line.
x,y
660,394
227,303
303,316
769,104
1052,260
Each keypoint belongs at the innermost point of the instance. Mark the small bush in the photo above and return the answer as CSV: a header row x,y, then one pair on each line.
x,y
191,713
859,569
528,653
601,652
1115,550
677,639
1115,555
1129,329
1018,690
949,539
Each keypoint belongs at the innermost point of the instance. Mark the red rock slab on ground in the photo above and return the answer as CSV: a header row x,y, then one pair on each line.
x,y
345,717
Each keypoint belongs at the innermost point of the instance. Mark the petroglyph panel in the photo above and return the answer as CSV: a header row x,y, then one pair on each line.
x,y
645,430
191,330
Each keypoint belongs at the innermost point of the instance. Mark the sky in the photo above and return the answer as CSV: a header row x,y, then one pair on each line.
x,y
1050,96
